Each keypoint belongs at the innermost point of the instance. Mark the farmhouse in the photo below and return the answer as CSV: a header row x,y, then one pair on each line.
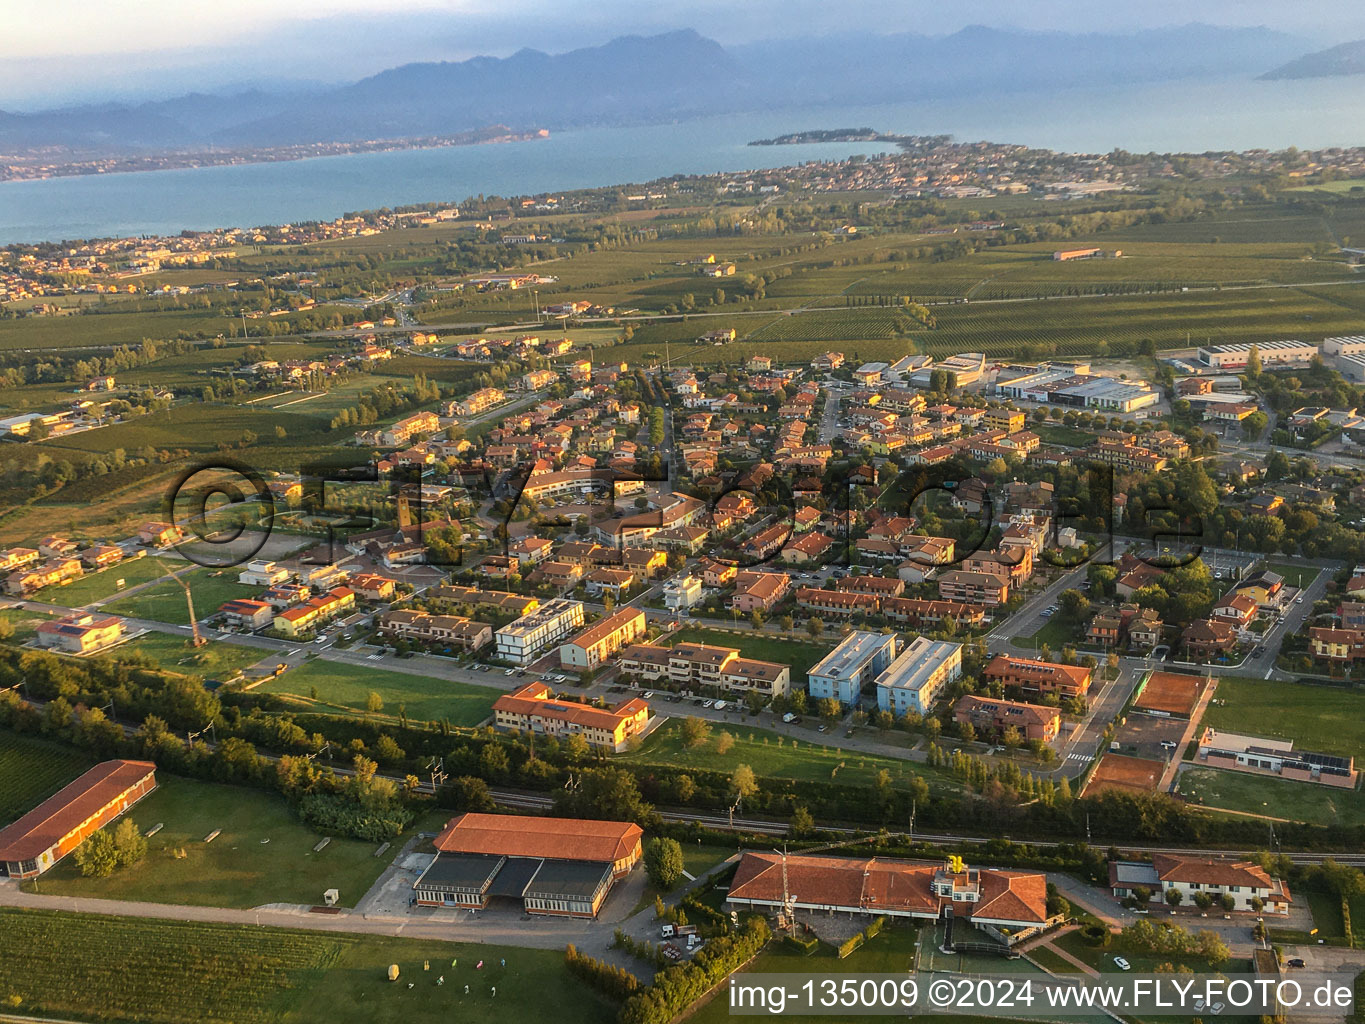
x,y
62,822
878,886
561,867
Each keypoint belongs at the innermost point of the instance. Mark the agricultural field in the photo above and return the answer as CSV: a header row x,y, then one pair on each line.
x,y
165,602
98,330
33,770
774,756
263,853
147,971
799,654
1325,719
1272,797
345,687
97,586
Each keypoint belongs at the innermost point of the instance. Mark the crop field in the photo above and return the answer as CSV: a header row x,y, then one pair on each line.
x,y
33,770
103,330
194,427
774,756
152,971
97,586
856,324
422,698
1326,719
165,602
1275,798
263,853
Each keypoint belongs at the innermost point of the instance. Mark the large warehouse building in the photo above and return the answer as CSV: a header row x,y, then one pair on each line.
x,y
63,821
555,866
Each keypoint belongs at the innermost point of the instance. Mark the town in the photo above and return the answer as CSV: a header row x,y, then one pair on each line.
x,y
615,602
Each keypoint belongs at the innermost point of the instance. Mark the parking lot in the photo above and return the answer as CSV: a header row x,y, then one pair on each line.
x,y
1143,735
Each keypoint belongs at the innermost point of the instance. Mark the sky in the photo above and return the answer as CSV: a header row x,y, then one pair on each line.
x,y
63,51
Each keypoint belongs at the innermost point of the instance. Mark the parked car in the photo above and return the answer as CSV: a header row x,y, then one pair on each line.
x,y
707,703
1294,961
1122,964
649,694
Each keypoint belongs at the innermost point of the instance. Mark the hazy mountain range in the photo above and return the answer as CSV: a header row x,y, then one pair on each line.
x,y
635,79
1346,59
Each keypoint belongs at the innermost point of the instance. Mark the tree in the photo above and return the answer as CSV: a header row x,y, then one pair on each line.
x,y
1203,900
1227,901
608,793
1142,895
374,703
1174,897
576,749
1073,604
829,709
1253,362
967,732
695,731
1012,737
129,846
743,782
801,822
663,862
815,627
96,857
724,743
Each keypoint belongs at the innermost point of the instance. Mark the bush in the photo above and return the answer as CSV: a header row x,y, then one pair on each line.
x,y
616,982
1095,935
804,946
337,815
663,862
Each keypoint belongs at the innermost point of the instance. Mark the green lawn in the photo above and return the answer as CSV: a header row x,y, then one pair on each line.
x,y
263,854
799,654
97,586
422,698
780,757
97,968
1142,963
1276,798
32,770
1057,632
165,602
24,624
1295,575
217,659
1325,719
1055,432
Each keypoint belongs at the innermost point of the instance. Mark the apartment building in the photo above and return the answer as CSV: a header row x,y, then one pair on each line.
x,y
991,717
690,666
592,647
759,591
80,634
922,613
301,619
837,602
533,708
452,630
1250,885
480,401
1043,677
973,588
917,678
858,659
522,641
49,574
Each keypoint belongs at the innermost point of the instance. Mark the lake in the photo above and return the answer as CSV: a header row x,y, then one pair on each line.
x,y
1189,116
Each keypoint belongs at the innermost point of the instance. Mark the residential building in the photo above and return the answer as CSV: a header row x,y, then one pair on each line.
x,y
759,591
302,619
682,593
246,613
46,834
80,633
370,587
51,573
522,641
858,659
921,613
1043,677
260,573
450,630
692,666
533,708
1207,639
1250,886
973,588
591,648
1338,646
917,678
991,717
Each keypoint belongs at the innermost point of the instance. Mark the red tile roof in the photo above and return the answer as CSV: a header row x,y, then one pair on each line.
x,y
61,814
553,838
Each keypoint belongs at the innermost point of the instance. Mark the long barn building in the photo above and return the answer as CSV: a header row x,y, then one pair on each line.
x,y
59,824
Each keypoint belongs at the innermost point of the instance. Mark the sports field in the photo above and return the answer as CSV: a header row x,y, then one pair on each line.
x,y
422,698
1272,797
1325,719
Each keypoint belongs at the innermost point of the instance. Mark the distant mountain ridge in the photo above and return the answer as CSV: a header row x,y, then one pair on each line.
x,y
1346,59
639,79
